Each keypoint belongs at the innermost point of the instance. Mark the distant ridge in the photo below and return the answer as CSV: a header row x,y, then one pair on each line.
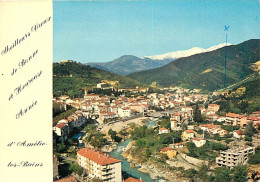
x,y
127,64
185,53
206,70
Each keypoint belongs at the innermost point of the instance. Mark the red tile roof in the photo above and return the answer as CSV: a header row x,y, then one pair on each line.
x,y
181,143
165,149
61,125
240,132
97,157
197,139
256,112
68,179
109,114
189,131
163,129
252,118
232,115
131,179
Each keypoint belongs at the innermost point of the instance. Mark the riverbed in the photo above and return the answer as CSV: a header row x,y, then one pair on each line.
x,y
126,165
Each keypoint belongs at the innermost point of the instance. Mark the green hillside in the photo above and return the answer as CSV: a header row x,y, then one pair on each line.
x,y
243,98
71,78
206,70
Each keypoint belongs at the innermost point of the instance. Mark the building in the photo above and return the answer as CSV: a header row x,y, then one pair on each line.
x,y
239,134
131,179
213,107
187,135
67,179
125,112
109,115
198,142
164,130
178,145
235,119
177,116
100,165
232,157
103,85
170,152
174,124
62,130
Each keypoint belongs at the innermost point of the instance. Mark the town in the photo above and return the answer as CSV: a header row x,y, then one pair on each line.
x,y
166,134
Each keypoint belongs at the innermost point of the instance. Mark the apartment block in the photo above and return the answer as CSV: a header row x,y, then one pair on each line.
x,y
232,157
100,165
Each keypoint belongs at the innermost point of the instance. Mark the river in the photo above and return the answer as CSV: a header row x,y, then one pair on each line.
x,y
126,165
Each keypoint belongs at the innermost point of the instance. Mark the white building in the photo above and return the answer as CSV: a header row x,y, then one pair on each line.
x,y
232,157
164,130
62,130
124,112
198,142
100,165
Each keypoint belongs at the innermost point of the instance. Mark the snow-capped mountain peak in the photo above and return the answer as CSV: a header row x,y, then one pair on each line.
x,y
185,53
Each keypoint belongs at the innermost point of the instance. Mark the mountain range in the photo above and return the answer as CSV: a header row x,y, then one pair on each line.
x,y
127,64
206,70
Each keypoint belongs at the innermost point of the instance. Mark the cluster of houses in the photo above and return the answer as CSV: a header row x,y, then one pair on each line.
x,y
105,108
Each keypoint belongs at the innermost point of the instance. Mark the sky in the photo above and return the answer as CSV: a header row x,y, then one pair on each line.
x,y
103,30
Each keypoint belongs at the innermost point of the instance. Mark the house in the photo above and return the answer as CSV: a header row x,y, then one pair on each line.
x,y
212,117
213,107
209,127
67,179
170,152
187,135
221,132
178,145
62,130
99,165
91,96
255,120
174,124
235,119
177,117
256,114
124,112
239,134
234,156
131,179
109,115
164,130
198,142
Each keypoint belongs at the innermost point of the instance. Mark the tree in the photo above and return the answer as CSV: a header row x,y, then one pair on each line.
x,y
250,130
76,168
61,147
222,174
197,114
90,128
202,173
112,134
240,173
255,158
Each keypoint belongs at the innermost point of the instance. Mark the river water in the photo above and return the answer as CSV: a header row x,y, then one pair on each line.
x,y
126,165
